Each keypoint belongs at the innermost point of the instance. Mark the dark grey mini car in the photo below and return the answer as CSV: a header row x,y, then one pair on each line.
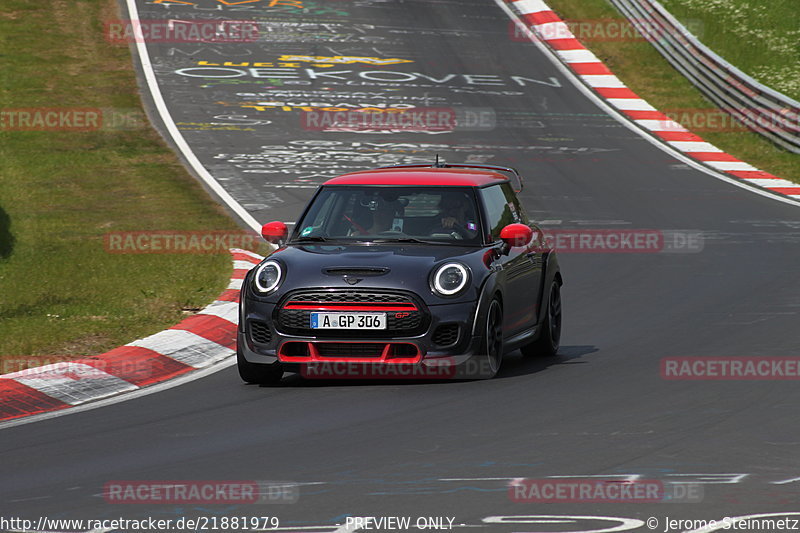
x,y
412,271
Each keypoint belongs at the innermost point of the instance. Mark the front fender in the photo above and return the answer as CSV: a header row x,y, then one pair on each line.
x,y
488,290
552,272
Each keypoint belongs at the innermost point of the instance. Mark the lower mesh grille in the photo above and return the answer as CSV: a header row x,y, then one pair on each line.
x,y
446,335
350,349
260,332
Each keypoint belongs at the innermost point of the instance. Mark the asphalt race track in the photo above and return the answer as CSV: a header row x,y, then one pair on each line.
x,y
450,449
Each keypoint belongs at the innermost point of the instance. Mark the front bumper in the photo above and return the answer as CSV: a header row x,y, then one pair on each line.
x,y
261,340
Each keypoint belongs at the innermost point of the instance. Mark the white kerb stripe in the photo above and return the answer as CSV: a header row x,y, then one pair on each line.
x,y
235,284
694,146
553,30
248,252
603,80
526,7
577,56
57,370
771,183
243,265
185,346
226,310
660,125
74,383
730,165
631,104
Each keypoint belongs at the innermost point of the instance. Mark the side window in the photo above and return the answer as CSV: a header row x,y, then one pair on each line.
x,y
513,203
499,211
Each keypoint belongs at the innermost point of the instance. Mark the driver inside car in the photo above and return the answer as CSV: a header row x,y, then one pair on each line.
x,y
457,218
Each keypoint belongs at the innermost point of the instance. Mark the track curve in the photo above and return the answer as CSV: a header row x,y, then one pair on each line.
x,y
450,449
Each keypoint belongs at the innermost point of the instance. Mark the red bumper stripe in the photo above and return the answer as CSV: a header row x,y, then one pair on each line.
x,y
349,306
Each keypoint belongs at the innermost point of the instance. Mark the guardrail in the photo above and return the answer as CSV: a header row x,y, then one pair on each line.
x,y
763,110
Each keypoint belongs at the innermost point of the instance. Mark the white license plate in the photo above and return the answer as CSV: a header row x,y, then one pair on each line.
x,y
348,320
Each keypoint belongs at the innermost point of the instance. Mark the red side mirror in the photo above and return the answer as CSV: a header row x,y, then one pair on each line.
x,y
274,232
516,235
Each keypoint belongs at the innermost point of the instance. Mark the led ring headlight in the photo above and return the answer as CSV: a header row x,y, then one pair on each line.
x,y
268,276
450,279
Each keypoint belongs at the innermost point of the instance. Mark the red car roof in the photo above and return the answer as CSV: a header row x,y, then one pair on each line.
x,y
454,177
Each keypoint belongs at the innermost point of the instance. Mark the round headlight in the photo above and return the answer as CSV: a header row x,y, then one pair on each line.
x,y
268,276
450,279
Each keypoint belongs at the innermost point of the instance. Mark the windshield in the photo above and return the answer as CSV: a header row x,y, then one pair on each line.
x,y
377,213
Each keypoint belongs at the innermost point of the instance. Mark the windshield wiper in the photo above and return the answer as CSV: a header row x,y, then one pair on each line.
x,y
405,239
310,239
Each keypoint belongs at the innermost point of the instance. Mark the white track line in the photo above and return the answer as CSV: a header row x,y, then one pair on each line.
x,y
177,137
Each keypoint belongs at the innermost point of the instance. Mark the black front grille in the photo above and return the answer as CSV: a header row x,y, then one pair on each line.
x,y
445,335
350,349
353,297
407,319
260,332
347,271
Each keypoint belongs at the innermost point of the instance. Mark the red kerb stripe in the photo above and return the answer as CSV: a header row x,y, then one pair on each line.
x,y
542,17
565,44
211,327
595,67
712,156
137,365
18,400
616,92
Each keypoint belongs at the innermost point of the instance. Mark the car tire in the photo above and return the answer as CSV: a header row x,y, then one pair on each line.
x,y
258,374
550,337
492,346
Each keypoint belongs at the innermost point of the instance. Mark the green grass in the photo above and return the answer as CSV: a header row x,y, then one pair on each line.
x,y
648,74
61,293
770,29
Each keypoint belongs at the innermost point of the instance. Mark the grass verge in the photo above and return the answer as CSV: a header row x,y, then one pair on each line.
x,y
646,72
770,29
61,292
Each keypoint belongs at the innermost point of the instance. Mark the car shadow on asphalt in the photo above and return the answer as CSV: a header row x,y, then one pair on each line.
x,y
514,365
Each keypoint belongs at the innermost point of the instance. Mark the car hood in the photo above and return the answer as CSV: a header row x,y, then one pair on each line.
x,y
404,266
